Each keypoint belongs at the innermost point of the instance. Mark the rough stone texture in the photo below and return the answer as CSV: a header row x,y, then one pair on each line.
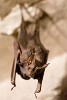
x,y
9,4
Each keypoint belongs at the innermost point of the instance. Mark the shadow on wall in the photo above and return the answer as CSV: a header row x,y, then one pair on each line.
x,y
62,95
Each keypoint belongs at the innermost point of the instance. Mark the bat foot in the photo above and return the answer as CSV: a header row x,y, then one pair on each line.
x,y
38,89
14,85
35,95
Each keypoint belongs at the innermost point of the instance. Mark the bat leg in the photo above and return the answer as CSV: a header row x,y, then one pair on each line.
x,y
40,78
38,89
39,84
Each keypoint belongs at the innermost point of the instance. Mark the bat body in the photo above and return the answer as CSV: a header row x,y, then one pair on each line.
x,y
30,57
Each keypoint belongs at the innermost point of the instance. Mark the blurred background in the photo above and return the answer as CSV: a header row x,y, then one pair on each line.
x,y
52,15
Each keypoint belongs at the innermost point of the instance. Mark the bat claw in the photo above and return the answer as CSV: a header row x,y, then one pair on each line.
x,y
13,87
35,95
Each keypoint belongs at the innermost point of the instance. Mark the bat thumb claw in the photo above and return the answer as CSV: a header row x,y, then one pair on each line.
x,y
46,65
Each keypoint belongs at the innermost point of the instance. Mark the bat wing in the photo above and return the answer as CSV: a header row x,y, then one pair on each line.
x,y
13,71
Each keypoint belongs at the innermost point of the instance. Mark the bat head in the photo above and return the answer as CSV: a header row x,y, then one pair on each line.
x,y
31,62
27,62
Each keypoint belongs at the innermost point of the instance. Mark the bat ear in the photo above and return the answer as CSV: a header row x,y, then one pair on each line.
x,y
46,65
43,67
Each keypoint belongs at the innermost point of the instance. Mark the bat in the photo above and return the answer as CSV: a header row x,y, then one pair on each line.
x,y
30,56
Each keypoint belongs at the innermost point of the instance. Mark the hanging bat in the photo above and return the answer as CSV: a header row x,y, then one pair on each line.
x,y
30,56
